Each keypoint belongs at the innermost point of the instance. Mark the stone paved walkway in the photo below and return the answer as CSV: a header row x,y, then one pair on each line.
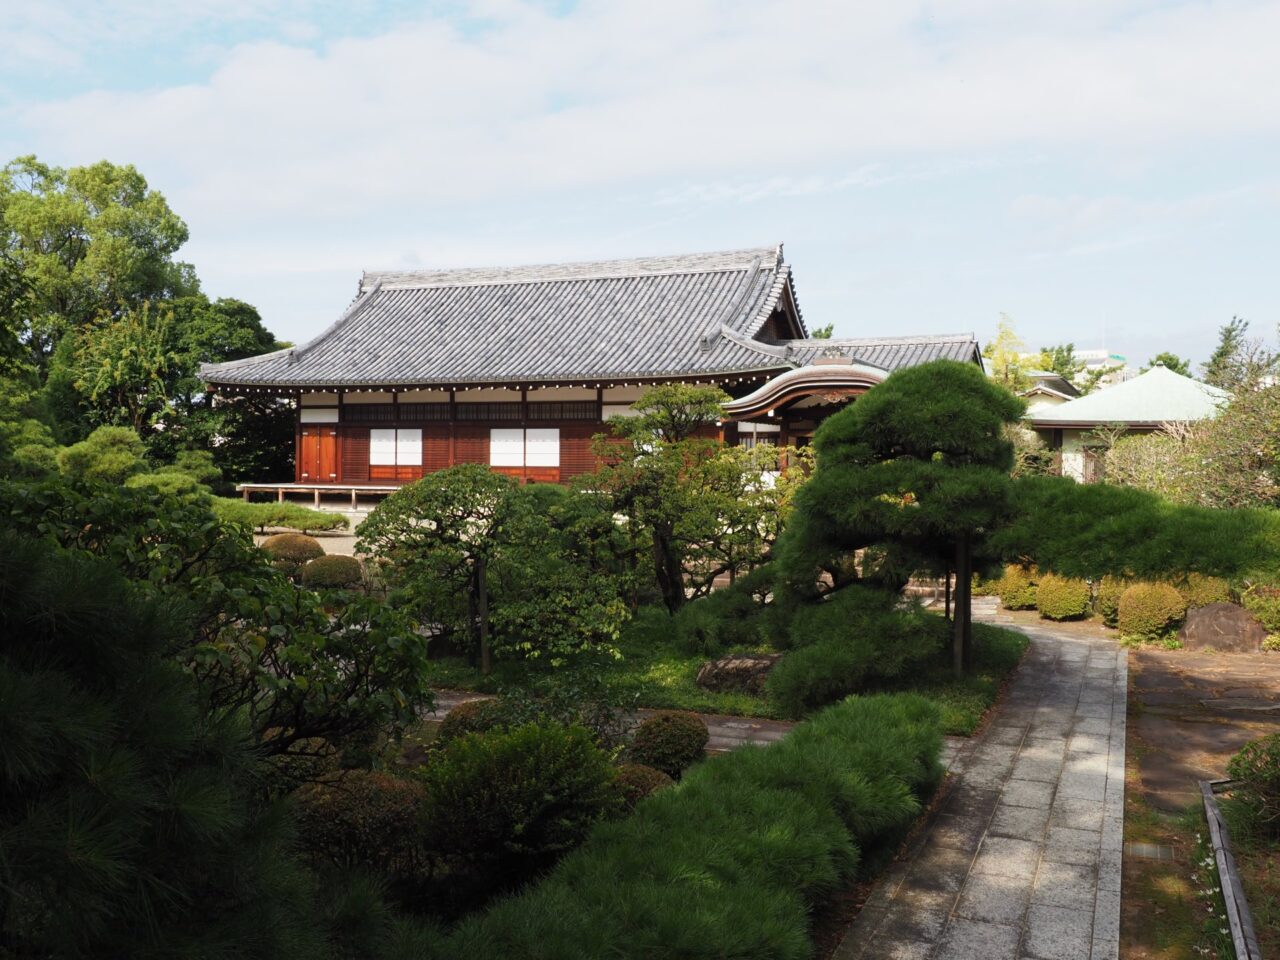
x,y
1023,858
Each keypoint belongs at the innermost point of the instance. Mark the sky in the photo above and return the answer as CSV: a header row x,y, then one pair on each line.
x,y
1100,171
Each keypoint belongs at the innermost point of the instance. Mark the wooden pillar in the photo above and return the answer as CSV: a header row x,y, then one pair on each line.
x,y
354,504
279,495
317,497
453,427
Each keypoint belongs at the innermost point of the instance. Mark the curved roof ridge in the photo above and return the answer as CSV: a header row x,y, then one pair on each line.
x,y
722,261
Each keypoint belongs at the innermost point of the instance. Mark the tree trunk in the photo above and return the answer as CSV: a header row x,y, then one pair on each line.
x,y
667,568
946,578
961,633
482,589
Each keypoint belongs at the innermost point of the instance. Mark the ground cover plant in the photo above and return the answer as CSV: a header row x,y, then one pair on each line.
x,y
729,862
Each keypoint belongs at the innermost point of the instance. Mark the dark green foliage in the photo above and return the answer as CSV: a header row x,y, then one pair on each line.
x,y
474,716
1200,591
671,741
1150,611
636,781
1017,588
736,616
131,812
1089,530
1107,601
917,469
729,863
509,802
296,667
1061,598
336,571
1257,767
853,642
497,568
363,819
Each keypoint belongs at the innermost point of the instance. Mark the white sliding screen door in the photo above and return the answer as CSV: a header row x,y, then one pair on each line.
x,y
542,447
506,447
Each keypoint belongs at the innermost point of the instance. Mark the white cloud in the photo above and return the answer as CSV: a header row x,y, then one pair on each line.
x,y
316,157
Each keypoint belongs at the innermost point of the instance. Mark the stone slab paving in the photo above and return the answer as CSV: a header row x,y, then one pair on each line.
x,y
1022,860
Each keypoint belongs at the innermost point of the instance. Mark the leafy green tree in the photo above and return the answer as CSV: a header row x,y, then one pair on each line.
x,y
1240,362
1062,360
88,241
132,811
126,366
1004,355
822,333
1170,361
917,473
699,509
472,557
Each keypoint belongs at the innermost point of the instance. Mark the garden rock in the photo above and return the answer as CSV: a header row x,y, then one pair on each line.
x,y
1227,627
739,671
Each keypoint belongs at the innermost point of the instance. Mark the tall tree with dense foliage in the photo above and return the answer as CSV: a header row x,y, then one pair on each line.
x,y
89,241
1061,359
916,472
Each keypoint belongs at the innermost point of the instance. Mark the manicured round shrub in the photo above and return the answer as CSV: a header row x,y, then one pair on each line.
x,y
335,571
511,801
289,552
1200,591
1061,598
474,716
1017,588
1257,767
670,741
365,819
1149,611
636,781
297,547
1107,601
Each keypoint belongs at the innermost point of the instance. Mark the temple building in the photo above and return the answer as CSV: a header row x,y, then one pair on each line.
x,y
519,368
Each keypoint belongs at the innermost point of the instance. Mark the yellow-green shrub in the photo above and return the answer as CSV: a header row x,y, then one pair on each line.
x,y
1061,598
1017,587
291,551
337,571
1107,602
1200,591
1149,611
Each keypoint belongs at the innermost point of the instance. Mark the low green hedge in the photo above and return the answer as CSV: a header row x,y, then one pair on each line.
x,y
1200,591
259,516
1062,598
730,862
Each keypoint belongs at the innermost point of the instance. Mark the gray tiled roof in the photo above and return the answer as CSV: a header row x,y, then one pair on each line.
x,y
647,318
888,353
653,317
